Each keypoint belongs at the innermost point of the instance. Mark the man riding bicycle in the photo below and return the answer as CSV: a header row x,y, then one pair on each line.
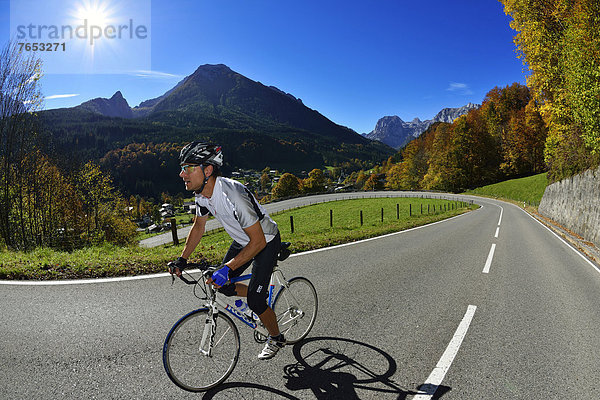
x,y
256,238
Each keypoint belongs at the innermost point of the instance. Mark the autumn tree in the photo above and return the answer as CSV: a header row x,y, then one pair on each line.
x,y
265,180
559,43
394,177
361,178
374,182
20,98
522,142
315,183
288,185
103,207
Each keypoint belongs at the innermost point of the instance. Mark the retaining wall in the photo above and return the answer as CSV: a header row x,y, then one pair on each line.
x,y
575,204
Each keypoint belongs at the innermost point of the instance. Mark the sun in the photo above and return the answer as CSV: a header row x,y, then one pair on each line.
x,y
93,13
96,12
99,13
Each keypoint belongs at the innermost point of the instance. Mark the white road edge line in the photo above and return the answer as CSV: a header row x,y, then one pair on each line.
x,y
488,262
436,377
165,274
563,240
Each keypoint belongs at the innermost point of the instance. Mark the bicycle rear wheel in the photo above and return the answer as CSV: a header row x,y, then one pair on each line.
x,y
296,309
187,357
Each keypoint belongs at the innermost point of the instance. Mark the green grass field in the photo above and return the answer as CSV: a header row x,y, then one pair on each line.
x,y
529,190
311,231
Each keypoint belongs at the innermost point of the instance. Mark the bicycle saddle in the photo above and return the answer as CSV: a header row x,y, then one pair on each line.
x,y
284,251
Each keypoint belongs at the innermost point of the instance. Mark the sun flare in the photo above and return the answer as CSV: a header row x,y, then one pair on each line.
x,y
95,12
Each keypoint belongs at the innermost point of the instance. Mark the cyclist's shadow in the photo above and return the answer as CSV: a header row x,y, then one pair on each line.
x,y
335,368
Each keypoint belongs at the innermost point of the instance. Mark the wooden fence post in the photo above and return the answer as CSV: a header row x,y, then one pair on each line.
x,y
174,231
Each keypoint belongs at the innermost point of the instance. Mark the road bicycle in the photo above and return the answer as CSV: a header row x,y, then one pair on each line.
x,y
203,347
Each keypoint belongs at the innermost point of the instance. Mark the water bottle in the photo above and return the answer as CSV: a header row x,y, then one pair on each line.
x,y
241,305
244,309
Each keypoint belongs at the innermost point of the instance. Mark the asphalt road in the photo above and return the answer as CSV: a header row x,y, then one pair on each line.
x,y
400,315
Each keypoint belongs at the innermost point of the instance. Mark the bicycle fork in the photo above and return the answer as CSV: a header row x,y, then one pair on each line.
x,y
209,331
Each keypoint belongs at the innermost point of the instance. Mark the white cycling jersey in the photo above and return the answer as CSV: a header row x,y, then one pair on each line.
x,y
234,206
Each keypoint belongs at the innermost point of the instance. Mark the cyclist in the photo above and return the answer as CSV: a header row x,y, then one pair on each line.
x,y
255,235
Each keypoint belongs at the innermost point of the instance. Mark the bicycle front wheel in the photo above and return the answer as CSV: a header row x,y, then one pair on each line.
x,y
192,360
296,307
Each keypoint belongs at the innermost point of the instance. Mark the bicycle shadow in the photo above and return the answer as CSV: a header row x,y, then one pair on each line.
x,y
340,368
337,368
247,385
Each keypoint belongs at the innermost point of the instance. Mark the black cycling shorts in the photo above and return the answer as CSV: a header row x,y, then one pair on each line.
x,y
262,267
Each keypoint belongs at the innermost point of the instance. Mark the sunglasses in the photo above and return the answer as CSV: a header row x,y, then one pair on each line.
x,y
188,169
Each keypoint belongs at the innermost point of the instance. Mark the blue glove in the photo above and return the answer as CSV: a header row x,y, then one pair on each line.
x,y
221,276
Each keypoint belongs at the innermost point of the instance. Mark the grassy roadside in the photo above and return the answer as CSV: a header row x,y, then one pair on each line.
x,y
528,190
311,231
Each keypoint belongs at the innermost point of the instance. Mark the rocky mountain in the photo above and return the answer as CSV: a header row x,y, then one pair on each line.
x,y
216,96
395,132
116,106
450,114
258,125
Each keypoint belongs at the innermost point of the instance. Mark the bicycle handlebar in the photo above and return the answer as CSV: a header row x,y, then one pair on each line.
x,y
204,267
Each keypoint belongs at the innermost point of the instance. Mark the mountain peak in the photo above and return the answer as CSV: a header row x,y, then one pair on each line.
x,y
396,133
117,96
450,114
212,71
116,106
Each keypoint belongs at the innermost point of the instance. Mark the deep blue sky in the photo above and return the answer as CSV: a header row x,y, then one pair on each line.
x,y
353,61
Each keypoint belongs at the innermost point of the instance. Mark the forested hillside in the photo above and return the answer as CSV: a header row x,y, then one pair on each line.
x,y
257,125
502,139
559,42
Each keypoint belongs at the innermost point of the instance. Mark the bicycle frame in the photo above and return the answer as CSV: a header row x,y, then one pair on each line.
x,y
222,302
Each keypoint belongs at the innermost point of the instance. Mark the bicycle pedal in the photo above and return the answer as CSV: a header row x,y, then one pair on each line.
x,y
258,338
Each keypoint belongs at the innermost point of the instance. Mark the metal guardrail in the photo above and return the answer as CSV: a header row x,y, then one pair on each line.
x,y
213,226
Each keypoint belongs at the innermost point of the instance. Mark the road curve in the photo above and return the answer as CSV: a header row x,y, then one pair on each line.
x,y
396,314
